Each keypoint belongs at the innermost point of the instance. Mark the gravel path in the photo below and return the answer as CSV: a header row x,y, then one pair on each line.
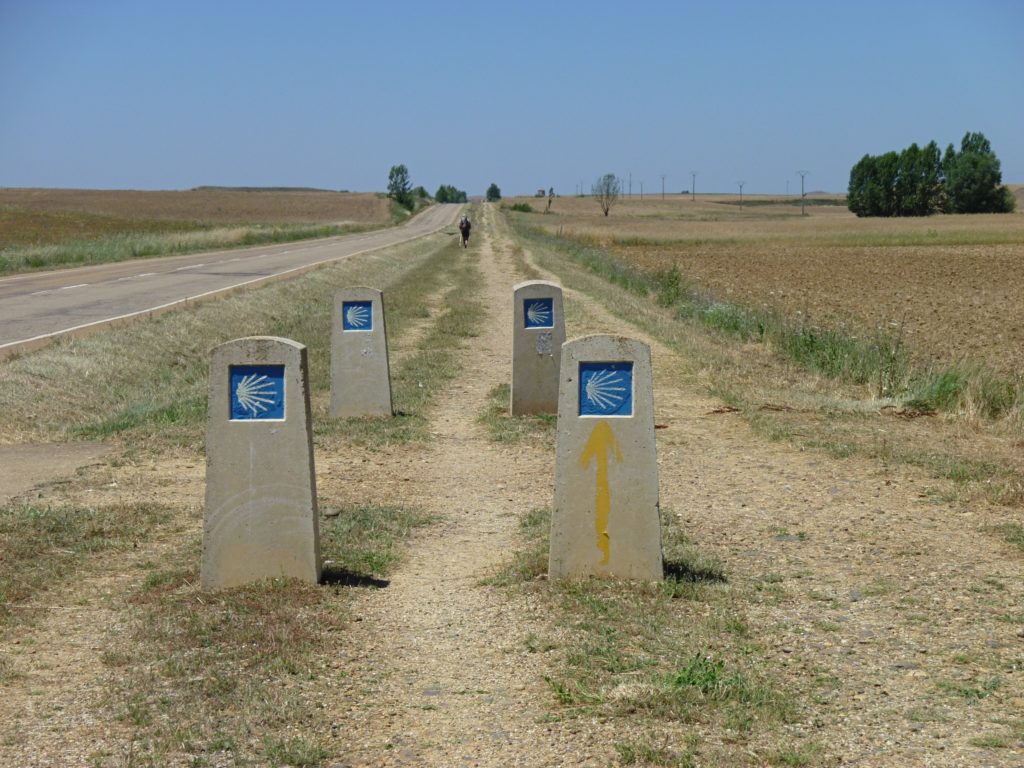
x,y
440,673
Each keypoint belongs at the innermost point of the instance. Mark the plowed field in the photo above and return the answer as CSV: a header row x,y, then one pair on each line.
x,y
208,205
951,286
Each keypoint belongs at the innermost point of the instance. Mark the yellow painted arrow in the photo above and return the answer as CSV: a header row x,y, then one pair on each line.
x,y
600,443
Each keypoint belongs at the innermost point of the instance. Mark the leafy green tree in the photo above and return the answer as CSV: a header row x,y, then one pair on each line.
x,y
974,178
859,191
446,193
399,186
421,193
493,193
921,181
872,190
918,184
929,173
607,190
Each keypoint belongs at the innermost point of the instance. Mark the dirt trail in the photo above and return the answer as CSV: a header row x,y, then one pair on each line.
x,y
440,673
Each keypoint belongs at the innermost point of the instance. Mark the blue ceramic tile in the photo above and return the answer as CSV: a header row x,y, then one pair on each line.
x,y
539,313
606,389
357,315
257,392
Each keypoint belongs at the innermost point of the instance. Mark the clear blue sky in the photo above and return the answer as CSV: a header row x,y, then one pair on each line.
x,y
153,94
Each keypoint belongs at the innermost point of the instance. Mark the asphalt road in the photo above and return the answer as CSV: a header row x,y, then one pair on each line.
x,y
39,306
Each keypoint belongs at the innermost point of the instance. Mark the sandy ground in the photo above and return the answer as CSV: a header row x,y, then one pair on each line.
x,y
25,467
886,597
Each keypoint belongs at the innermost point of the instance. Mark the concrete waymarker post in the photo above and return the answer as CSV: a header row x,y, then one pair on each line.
x,y
606,520
538,332
260,519
360,374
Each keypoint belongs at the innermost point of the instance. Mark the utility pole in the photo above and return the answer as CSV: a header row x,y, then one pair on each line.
x,y
741,183
693,186
631,184
641,190
802,195
663,186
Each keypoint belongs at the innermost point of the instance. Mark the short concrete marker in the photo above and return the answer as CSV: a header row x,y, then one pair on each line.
x,y
538,332
606,520
360,374
260,518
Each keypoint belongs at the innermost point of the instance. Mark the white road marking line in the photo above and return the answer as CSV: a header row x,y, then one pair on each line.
x,y
69,287
40,293
194,266
146,274
200,296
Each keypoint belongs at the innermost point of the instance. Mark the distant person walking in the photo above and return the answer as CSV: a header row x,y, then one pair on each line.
x,y
464,227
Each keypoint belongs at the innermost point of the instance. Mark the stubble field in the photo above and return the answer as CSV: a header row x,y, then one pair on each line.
x,y
948,287
47,228
212,205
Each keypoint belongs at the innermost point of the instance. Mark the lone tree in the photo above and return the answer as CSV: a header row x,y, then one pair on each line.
x,y
493,193
606,191
399,186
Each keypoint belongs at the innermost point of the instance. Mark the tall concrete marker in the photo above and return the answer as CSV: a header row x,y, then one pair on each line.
x,y
360,374
260,519
606,520
538,332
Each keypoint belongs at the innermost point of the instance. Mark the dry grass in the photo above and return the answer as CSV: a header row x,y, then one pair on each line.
x,y
23,227
207,205
51,228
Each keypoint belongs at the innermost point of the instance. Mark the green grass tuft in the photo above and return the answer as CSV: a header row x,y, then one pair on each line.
x,y
502,427
364,540
1011,533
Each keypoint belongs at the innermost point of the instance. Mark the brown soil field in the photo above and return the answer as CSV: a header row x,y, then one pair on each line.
x,y
207,205
951,286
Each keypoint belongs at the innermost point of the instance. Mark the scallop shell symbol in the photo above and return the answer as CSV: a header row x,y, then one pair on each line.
x,y
255,393
605,390
538,314
357,316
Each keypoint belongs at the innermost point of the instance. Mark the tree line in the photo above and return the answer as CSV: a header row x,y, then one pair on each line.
x,y
400,190
920,181
446,193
